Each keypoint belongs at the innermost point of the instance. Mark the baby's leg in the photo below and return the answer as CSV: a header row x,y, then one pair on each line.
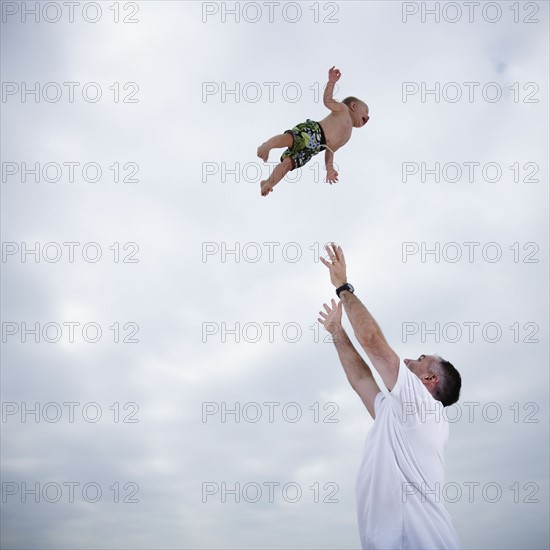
x,y
276,142
280,171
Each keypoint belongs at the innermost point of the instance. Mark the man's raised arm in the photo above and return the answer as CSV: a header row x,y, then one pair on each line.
x,y
365,328
357,371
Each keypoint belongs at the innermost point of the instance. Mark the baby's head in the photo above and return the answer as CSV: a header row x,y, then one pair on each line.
x,y
358,110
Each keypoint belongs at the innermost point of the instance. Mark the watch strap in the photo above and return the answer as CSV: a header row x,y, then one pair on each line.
x,y
345,286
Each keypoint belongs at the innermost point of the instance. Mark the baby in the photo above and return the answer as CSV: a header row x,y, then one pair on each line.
x,y
308,138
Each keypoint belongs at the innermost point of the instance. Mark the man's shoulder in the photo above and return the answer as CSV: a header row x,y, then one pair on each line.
x,y
409,387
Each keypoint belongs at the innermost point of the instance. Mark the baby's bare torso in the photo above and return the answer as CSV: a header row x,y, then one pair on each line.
x,y
337,127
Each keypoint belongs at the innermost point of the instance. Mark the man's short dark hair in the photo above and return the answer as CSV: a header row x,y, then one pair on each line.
x,y
450,382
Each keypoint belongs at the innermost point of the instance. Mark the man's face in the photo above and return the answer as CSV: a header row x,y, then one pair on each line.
x,y
423,367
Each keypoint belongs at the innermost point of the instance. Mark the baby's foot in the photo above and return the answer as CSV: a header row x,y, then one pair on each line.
x,y
266,188
263,152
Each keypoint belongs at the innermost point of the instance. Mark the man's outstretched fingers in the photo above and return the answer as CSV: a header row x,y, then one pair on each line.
x,y
338,252
331,252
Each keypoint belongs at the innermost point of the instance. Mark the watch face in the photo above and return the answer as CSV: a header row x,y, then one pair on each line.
x,y
351,289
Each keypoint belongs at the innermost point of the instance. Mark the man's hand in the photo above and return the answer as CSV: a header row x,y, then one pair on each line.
x,y
336,266
334,75
332,175
332,319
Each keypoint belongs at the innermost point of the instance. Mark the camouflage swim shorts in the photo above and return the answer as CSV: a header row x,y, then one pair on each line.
x,y
308,140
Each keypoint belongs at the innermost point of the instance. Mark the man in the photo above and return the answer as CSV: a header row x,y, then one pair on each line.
x,y
399,484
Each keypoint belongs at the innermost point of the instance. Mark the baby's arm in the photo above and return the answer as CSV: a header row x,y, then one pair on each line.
x,y
332,174
330,103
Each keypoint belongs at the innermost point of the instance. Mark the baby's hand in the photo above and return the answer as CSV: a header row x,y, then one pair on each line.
x,y
332,175
334,75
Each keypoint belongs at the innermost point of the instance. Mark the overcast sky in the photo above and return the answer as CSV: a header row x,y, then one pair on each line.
x,y
185,295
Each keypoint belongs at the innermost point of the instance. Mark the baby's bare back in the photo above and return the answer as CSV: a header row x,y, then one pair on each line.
x,y
337,127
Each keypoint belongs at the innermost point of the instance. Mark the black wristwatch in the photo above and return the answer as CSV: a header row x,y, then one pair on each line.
x,y
347,287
